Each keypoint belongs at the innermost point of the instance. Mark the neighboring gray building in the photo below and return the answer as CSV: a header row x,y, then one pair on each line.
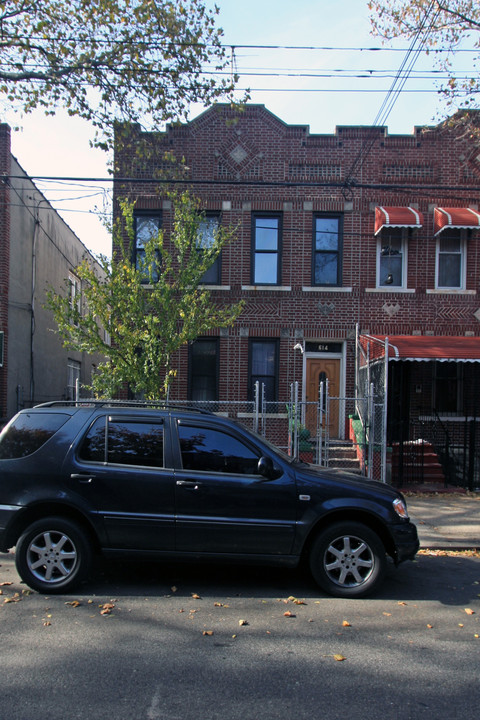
x,y
37,250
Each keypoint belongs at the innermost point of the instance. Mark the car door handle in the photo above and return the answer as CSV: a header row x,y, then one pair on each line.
x,y
82,477
188,484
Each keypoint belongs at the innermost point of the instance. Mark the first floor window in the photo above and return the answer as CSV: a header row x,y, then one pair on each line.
x,y
206,236
448,382
264,368
392,258
327,264
451,260
146,226
74,368
266,248
203,369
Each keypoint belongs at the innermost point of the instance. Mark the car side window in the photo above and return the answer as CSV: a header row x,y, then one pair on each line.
x,y
124,442
208,450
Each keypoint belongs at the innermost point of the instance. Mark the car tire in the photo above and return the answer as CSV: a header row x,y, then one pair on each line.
x,y
53,555
348,560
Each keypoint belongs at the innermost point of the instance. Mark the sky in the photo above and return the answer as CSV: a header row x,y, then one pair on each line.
x,y
59,146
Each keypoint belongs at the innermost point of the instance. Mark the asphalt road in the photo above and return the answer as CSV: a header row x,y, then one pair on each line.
x,y
152,642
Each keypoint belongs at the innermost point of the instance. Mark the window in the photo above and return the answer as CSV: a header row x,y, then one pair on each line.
x,y
74,369
208,450
203,370
26,434
263,367
206,236
126,442
327,266
75,296
448,385
392,258
266,250
146,226
450,260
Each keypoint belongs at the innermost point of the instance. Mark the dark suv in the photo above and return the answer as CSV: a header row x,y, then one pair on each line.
x,y
77,479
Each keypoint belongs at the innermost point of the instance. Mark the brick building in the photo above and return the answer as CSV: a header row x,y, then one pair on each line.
x,y
342,240
37,250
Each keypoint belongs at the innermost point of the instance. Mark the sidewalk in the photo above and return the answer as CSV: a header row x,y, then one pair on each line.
x,y
446,521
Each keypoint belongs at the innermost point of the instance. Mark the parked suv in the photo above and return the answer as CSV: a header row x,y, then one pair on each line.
x,y
79,479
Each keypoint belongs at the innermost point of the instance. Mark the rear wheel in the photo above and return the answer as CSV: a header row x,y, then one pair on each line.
x,y
53,555
348,560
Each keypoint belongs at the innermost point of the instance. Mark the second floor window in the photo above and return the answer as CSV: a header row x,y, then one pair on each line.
x,y
392,258
450,260
146,226
206,236
266,248
327,248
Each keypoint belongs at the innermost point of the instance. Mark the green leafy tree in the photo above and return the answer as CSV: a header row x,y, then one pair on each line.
x,y
106,60
148,312
442,25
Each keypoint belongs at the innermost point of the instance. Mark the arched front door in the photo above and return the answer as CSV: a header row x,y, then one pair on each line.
x,y
318,369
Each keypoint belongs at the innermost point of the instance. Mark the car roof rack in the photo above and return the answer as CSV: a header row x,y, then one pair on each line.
x,y
161,404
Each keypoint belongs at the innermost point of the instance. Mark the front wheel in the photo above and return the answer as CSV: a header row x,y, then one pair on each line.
x,y
53,555
348,560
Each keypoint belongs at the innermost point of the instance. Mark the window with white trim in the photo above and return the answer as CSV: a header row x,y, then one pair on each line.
x,y
206,237
266,249
392,258
450,260
74,369
147,225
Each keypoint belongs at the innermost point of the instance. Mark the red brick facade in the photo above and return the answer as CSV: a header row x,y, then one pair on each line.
x,y
243,163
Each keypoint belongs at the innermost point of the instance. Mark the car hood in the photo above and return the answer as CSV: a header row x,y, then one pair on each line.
x,y
356,484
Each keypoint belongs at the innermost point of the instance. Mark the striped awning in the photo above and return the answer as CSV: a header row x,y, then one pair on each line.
x,y
444,218
397,217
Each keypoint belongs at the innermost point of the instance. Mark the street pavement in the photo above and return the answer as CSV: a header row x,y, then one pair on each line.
x,y
446,521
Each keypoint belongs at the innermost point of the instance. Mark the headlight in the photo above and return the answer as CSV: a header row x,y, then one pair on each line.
x,y
400,508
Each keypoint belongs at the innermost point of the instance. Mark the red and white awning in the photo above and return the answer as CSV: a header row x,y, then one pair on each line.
x,y
397,217
444,218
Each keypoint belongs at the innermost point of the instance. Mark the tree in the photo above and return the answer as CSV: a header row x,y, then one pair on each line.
x,y
106,60
443,25
147,311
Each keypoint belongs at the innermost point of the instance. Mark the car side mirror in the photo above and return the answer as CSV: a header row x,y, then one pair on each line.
x,y
266,468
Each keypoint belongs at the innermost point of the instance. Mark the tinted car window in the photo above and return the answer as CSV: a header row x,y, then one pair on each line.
x,y
125,442
27,433
211,450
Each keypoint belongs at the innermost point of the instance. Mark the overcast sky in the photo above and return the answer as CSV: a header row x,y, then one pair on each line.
x,y
59,146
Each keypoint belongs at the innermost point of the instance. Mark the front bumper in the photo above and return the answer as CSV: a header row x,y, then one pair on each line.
x,y
405,540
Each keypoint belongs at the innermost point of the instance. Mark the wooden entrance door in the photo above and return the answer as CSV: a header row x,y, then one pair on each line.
x,y
319,369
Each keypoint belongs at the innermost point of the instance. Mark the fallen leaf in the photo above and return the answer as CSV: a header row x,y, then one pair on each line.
x,y
208,632
387,614
14,598
7,582
74,603
46,623
289,614
106,608
476,635
469,611
460,625
429,626
242,622
196,597
217,604
346,623
339,658
402,602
